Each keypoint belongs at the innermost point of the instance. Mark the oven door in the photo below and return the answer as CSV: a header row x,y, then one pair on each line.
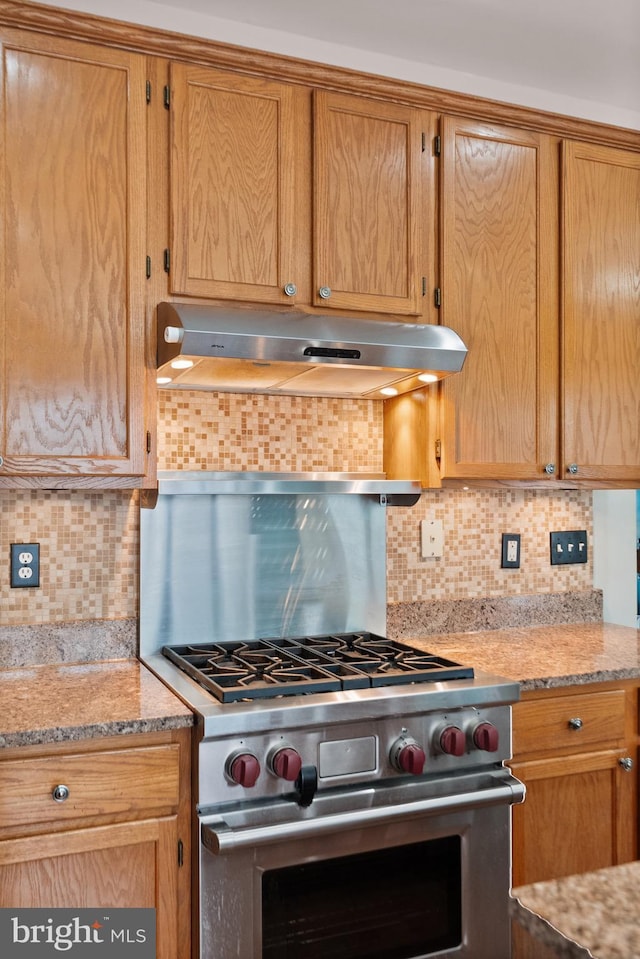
x,y
407,871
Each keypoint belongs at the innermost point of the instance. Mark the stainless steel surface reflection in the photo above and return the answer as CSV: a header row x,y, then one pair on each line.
x,y
242,566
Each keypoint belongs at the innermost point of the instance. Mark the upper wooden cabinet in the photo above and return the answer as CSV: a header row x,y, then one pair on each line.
x,y
235,185
601,313
499,292
368,204
284,196
541,278
72,350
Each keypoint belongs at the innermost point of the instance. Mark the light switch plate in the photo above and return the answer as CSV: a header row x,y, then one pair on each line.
x,y
569,546
432,536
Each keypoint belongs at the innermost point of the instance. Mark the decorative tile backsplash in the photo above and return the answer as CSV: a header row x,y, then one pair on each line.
x,y
90,540
229,431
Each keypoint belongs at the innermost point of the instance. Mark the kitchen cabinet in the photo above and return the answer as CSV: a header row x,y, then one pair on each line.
x,y
371,213
497,420
119,839
575,751
601,313
546,295
284,195
72,312
237,193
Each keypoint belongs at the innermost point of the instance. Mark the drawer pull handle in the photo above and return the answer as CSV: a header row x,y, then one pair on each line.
x,y
575,723
60,793
627,763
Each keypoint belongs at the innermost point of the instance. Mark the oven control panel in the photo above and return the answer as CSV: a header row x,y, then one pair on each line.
x,y
302,761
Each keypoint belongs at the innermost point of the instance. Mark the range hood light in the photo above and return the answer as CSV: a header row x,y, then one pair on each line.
x,y
182,364
428,378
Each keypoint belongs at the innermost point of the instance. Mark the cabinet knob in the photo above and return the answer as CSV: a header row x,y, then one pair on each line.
x,y
550,469
627,763
60,793
575,723
572,468
290,289
325,292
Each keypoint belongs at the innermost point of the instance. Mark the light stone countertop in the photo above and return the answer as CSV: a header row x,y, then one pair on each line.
x,y
542,657
590,916
72,701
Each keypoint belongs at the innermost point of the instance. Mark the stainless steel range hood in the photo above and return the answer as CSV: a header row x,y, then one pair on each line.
x,y
269,351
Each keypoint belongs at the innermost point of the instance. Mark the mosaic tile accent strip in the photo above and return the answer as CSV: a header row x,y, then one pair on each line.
x,y
231,431
89,546
474,521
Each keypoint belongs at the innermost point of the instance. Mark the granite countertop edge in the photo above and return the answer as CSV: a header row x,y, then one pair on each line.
x,y
71,702
69,734
545,932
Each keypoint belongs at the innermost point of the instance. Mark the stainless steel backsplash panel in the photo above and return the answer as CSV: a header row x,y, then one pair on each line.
x,y
241,566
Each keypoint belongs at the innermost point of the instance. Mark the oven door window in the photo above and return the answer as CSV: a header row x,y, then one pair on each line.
x,y
397,903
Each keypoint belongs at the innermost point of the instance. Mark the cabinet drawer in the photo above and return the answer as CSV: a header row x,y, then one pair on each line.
x,y
129,781
575,722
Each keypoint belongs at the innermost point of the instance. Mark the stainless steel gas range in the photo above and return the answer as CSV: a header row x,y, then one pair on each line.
x,y
351,797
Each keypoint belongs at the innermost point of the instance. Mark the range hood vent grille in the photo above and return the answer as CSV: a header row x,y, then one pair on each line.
x,y
229,349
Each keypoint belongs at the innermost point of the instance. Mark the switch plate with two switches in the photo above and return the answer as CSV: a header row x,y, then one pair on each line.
x,y
25,564
568,547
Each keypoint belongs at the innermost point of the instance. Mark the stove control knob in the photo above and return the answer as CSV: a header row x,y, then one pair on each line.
x,y
485,736
243,769
287,763
407,756
452,741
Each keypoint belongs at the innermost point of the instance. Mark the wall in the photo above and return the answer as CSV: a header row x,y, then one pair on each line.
x,y
89,541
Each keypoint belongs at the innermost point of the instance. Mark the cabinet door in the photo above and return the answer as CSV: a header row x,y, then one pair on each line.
x,y
601,312
73,263
367,204
575,817
235,196
115,866
499,292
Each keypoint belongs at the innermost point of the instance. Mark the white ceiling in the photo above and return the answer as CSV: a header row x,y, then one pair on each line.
x,y
588,49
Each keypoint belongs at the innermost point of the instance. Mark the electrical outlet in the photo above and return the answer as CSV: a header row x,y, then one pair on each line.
x,y
510,550
568,547
25,564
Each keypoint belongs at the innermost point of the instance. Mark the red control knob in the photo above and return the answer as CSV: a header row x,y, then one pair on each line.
x,y
244,769
485,736
287,764
411,759
453,741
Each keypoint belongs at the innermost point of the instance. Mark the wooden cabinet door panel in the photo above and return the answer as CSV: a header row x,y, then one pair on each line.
x,y
601,312
112,866
73,262
235,194
367,204
575,817
499,292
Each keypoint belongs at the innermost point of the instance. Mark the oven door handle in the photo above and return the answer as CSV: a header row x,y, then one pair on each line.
x,y
221,838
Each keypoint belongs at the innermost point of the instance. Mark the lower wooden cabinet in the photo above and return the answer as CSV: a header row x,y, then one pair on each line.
x,y
120,838
575,750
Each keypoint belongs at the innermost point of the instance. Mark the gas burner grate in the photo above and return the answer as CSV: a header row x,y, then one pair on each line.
x,y
265,668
